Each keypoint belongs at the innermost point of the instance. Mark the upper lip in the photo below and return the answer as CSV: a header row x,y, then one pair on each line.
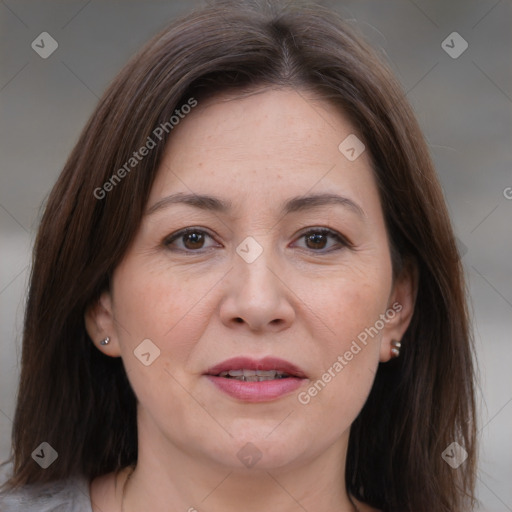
x,y
248,363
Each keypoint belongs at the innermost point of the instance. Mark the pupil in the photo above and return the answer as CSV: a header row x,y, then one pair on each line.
x,y
317,239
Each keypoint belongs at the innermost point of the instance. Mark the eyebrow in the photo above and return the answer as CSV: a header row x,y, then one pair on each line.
x,y
293,205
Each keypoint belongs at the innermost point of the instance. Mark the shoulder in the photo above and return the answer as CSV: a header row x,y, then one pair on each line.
x,y
70,495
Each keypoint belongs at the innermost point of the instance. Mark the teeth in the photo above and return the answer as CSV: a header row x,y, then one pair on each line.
x,y
253,375
233,373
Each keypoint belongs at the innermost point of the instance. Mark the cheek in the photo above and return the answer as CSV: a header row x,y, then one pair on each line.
x,y
158,303
345,302
169,309
166,308
349,354
348,366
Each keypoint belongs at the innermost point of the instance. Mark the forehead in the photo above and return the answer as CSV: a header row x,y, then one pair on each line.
x,y
267,123
268,141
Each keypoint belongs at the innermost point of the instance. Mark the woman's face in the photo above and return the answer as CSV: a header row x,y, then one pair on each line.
x,y
288,260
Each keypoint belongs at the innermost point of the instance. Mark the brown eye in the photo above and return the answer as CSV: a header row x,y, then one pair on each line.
x,y
193,240
187,240
318,240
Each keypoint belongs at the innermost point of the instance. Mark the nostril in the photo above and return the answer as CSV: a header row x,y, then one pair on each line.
x,y
238,320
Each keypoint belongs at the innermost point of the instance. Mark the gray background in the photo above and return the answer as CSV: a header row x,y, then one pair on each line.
x,y
464,106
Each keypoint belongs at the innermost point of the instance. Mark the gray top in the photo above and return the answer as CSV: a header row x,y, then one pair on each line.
x,y
70,495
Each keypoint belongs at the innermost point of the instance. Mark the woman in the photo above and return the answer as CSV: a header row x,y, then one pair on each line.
x,y
245,290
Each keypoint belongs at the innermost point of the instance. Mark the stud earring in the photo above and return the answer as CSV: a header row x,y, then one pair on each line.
x,y
395,350
106,341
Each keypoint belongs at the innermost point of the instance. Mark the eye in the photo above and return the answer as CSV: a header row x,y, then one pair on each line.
x,y
317,240
189,239
194,239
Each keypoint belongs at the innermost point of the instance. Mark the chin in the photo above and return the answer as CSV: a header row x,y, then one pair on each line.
x,y
265,451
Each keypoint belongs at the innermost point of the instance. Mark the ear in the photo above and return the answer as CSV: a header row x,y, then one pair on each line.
x,y
400,308
100,324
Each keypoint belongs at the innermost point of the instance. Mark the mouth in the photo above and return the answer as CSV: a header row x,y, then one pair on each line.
x,y
254,375
252,380
247,369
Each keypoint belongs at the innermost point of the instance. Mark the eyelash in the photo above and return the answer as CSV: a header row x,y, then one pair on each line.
x,y
344,242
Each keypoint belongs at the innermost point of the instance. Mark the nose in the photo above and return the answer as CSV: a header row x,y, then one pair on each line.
x,y
257,296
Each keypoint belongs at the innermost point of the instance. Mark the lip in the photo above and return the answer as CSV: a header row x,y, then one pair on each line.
x,y
257,391
248,363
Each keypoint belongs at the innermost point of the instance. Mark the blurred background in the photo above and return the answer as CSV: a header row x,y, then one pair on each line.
x,y
460,86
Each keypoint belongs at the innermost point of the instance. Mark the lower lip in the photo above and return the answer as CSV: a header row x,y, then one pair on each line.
x,y
256,391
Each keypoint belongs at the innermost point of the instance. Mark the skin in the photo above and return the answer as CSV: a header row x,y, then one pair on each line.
x,y
300,300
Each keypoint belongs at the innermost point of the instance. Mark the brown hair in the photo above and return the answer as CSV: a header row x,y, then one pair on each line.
x,y
69,391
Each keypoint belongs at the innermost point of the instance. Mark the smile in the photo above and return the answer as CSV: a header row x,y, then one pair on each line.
x,y
252,380
254,375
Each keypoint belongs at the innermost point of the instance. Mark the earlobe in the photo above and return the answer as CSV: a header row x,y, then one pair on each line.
x,y
100,325
403,299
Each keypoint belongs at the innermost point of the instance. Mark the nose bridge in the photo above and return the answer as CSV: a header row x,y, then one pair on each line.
x,y
256,294
255,259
